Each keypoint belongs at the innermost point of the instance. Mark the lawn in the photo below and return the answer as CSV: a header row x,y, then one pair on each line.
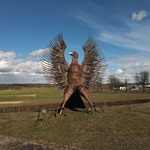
x,y
53,95
118,127
31,95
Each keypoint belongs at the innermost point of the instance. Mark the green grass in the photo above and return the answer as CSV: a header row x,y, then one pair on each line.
x,y
119,127
109,96
53,95
27,95
116,128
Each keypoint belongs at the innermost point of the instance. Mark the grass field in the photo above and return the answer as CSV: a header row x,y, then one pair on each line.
x,y
53,95
31,95
117,128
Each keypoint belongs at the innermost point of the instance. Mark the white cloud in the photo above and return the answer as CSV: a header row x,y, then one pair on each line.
x,y
119,71
35,55
4,66
7,55
30,71
14,70
135,37
130,35
129,66
139,15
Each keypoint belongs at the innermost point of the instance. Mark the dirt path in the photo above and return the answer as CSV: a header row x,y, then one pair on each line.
x,y
10,143
11,102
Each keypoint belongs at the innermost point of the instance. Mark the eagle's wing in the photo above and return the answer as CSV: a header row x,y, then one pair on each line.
x,y
55,67
94,63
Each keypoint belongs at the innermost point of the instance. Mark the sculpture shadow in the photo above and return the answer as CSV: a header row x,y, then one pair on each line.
x,y
75,101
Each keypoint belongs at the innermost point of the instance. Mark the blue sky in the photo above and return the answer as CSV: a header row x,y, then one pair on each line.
x,y
121,29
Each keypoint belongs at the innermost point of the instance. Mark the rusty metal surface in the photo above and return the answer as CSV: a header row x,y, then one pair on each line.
x,y
73,78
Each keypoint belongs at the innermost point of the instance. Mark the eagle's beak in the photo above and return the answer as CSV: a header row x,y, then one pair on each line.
x,y
70,53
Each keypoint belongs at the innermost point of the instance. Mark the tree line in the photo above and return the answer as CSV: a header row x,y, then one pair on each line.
x,y
141,78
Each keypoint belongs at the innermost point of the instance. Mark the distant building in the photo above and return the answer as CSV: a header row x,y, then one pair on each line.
x,y
120,88
134,87
147,87
139,87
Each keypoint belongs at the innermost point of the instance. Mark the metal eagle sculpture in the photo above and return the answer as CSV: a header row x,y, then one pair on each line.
x,y
74,78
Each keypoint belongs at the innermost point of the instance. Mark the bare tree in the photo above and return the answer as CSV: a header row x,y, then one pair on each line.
x,y
98,84
142,78
113,82
126,85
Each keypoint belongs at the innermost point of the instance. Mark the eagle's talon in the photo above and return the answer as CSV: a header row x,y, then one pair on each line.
x,y
60,110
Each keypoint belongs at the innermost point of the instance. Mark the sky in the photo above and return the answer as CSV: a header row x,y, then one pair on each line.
x,y
120,28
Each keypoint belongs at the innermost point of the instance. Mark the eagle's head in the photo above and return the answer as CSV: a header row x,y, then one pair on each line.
x,y
74,54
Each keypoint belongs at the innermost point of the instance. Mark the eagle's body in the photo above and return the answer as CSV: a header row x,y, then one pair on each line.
x,y
74,71
74,77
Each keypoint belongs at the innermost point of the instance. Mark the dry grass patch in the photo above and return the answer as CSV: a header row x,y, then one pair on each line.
x,y
119,127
